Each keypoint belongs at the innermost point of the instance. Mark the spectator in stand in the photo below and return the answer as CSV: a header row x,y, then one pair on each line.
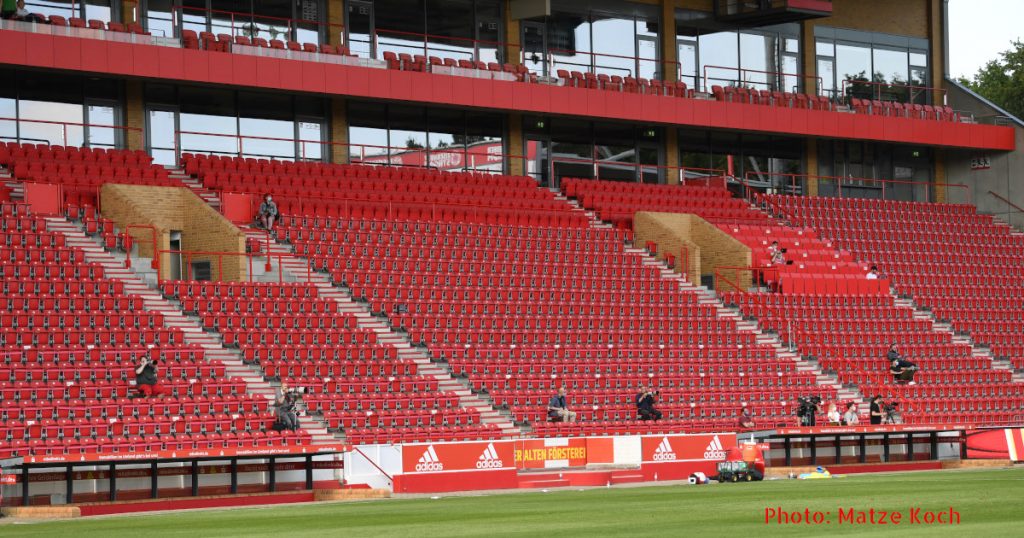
x,y
901,369
873,273
267,213
558,410
645,404
8,9
850,417
746,420
23,14
833,417
284,401
876,410
146,381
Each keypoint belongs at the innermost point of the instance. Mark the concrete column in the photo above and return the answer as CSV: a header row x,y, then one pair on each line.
x,y
669,50
672,155
135,115
514,143
336,22
339,131
811,154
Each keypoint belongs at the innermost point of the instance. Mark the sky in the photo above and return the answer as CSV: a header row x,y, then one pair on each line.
x,y
979,30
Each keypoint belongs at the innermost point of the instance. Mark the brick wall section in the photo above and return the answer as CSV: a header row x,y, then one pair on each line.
x,y
339,131
169,209
708,247
135,115
336,20
903,17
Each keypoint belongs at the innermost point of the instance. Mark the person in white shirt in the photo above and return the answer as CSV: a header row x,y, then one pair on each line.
x,y
850,417
833,414
873,273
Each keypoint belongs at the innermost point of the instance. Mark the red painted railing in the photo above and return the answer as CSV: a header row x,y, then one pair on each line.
x,y
189,255
65,127
881,90
784,183
155,264
775,80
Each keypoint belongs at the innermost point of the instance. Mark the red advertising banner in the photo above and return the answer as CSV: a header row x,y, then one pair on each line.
x,y
550,453
672,448
446,457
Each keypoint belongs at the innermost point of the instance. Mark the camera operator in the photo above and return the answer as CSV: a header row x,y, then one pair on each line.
x,y
876,410
146,381
808,410
285,402
901,369
645,403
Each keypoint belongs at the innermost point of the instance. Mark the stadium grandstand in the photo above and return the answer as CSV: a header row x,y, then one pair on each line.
x,y
316,249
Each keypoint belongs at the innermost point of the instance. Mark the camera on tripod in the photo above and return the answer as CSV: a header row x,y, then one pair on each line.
x,y
892,413
807,406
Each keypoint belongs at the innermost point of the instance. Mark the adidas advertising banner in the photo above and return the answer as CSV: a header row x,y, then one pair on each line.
x,y
687,448
448,457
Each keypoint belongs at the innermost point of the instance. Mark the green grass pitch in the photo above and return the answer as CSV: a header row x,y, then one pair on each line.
x,y
987,501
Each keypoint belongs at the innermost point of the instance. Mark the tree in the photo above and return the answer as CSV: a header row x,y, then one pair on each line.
x,y
1002,80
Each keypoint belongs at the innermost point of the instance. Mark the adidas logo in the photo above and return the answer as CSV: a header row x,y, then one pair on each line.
x,y
664,451
714,451
429,461
489,459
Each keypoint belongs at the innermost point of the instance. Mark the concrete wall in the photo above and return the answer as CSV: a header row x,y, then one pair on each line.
x,y
176,209
1003,178
708,247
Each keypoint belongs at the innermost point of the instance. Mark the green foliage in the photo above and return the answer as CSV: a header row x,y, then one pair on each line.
x,y
987,500
1002,80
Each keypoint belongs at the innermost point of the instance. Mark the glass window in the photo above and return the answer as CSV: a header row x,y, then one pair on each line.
x,y
647,43
614,46
215,135
825,48
162,136
853,63
719,59
447,139
485,149
264,138
271,20
54,123
102,137
159,19
311,141
400,27
688,63
450,29
826,72
194,15
757,57
101,10
569,39
63,8
8,112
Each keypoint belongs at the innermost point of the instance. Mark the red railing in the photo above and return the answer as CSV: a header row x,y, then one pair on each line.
x,y
889,91
155,264
250,24
1006,201
794,184
707,175
774,80
65,126
470,158
439,45
189,255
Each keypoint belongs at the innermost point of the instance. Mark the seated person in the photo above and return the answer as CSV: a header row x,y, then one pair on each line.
x,y
146,381
645,404
850,417
284,401
873,273
558,411
23,14
746,420
267,213
833,417
901,369
8,9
